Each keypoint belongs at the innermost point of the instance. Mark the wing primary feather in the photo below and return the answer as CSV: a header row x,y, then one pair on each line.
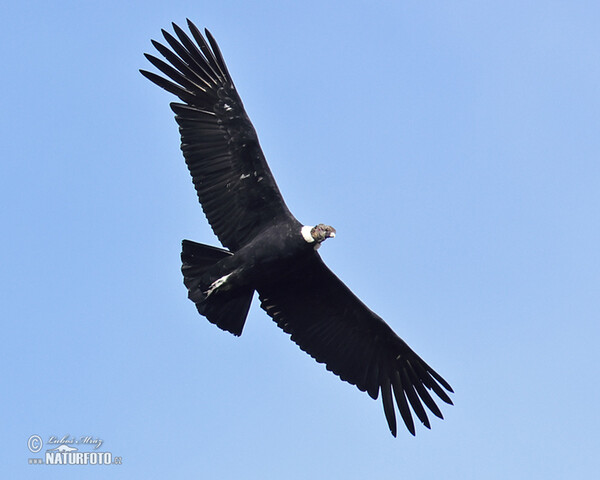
x,y
388,404
204,47
175,45
218,55
170,87
414,399
183,67
402,403
193,53
184,54
417,383
436,375
172,73
439,378
431,383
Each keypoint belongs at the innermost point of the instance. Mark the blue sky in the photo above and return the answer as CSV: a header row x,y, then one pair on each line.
x,y
453,145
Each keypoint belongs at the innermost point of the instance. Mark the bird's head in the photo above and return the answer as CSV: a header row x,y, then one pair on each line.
x,y
317,234
322,232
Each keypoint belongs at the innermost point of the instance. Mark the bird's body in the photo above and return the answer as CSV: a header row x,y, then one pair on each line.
x,y
268,250
267,256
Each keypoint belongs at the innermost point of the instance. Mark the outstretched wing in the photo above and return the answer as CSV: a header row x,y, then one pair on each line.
x,y
332,325
234,184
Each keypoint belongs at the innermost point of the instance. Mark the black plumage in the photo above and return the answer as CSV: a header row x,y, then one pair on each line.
x,y
267,249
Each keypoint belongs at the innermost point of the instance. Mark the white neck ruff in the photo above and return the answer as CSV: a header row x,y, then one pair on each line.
x,y
306,234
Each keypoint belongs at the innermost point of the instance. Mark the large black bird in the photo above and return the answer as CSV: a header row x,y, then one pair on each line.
x,y
268,250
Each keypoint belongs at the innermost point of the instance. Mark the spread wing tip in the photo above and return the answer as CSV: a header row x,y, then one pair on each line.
x,y
412,396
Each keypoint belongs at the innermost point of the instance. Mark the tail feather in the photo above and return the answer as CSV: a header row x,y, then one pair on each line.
x,y
227,309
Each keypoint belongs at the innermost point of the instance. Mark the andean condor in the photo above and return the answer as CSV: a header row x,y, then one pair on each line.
x,y
268,250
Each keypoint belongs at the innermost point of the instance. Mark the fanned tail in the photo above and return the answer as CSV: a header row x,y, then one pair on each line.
x,y
227,309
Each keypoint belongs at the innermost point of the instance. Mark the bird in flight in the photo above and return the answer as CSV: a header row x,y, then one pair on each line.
x,y
267,249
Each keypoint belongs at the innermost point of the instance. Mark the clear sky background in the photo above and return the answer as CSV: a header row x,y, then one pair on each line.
x,y
453,145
